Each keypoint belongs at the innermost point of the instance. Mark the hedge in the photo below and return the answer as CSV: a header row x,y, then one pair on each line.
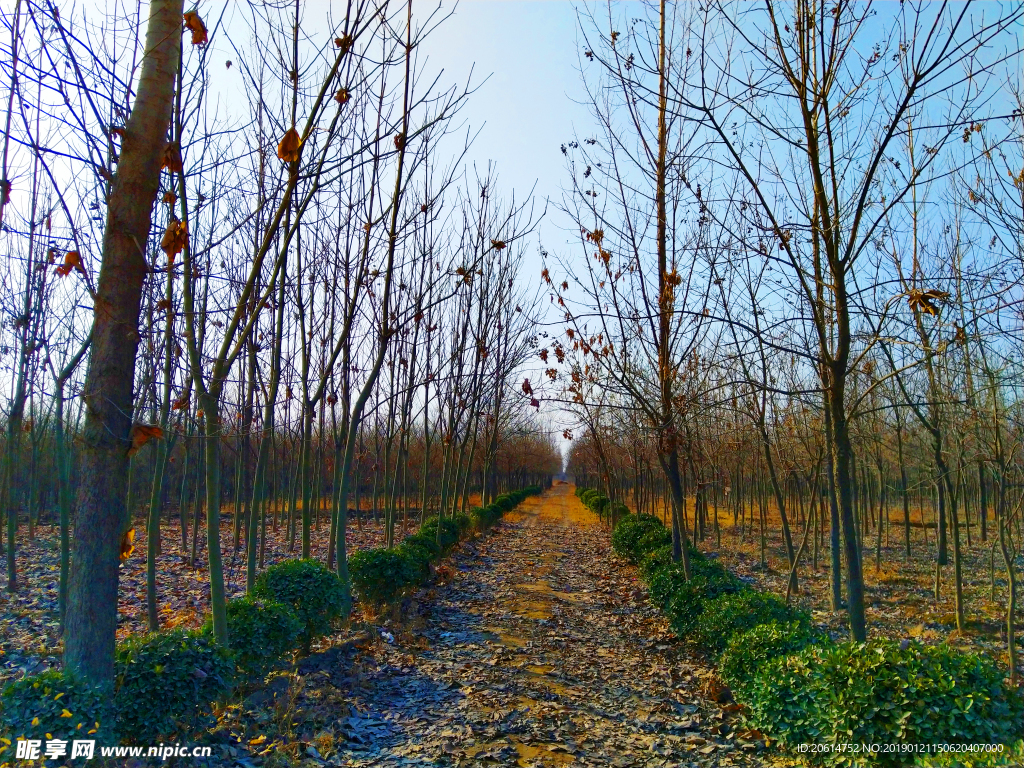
x,y
798,686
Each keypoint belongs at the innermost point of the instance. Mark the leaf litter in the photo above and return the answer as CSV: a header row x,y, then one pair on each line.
x,y
540,649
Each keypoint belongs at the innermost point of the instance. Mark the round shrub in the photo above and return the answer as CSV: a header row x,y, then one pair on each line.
x,y
686,604
442,530
504,503
260,632
417,560
58,704
380,575
315,594
631,530
664,582
662,556
655,537
655,559
737,612
751,651
883,693
462,523
425,542
166,681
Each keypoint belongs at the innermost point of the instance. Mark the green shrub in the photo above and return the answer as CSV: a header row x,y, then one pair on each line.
x,y
417,559
664,582
661,556
883,693
260,632
315,594
427,543
57,704
380,575
686,604
632,530
462,523
485,517
442,530
749,652
166,681
655,537
737,612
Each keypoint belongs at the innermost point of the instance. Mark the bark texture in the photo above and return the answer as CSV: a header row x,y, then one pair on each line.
x,y
91,622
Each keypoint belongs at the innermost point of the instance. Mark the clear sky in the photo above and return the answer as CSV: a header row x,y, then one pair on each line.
x,y
527,106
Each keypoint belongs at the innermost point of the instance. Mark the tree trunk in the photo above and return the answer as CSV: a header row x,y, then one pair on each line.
x,y
91,626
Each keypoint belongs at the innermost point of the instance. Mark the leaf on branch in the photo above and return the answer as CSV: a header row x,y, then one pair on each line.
x,y
195,25
527,389
288,149
498,245
172,157
180,404
535,403
924,301
399,141
72,260
5,192
127,545
174,240
342,96
142,434
169,198
344,43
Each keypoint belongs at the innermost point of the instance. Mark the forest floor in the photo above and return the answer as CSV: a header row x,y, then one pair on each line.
x,y
900,600
31,641
534,647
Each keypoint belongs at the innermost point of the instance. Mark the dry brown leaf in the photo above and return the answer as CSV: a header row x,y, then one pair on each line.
x,y
924,301
288,149
174,240
196,26
172,157
142,434
342,96
72,260
127,544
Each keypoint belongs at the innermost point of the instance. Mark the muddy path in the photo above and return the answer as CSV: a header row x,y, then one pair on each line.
x,y
540,650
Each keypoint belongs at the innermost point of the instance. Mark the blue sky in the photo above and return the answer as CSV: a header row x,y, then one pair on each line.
x,y
527,107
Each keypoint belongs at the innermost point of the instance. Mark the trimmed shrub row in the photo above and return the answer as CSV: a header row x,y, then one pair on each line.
x,y
485,517
800,687
166,682
381,576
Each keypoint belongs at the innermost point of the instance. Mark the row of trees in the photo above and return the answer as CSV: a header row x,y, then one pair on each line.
x,y
799,270
265,283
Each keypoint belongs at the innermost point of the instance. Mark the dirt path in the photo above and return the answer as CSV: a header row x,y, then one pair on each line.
x,y
540,651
